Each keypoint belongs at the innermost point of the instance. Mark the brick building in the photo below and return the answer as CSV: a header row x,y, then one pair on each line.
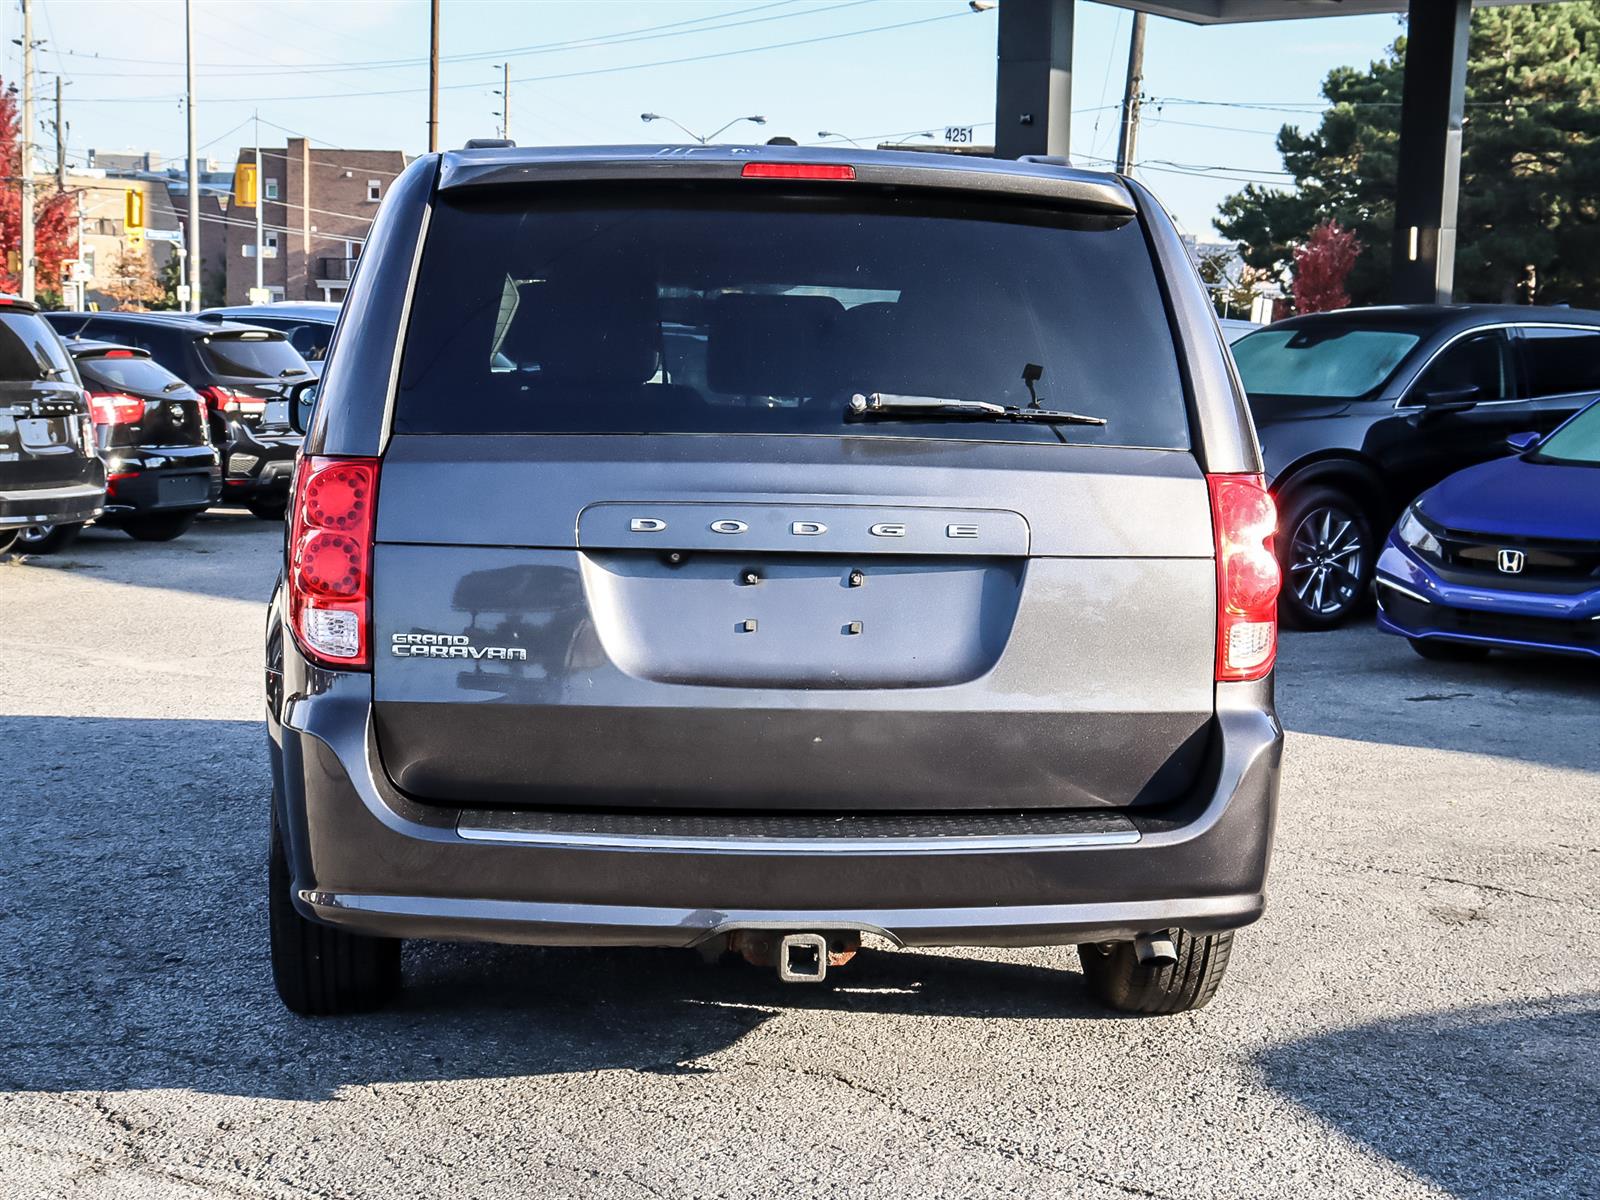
x,y
318,208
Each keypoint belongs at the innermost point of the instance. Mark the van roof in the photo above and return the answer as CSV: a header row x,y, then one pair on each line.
x,y
1029,178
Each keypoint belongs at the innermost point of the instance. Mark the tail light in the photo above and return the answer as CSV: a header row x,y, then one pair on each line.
x,y
777,170
231,403
115,408
1244,519
330,559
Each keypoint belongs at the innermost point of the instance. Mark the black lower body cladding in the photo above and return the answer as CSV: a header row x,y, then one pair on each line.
x,y
364,857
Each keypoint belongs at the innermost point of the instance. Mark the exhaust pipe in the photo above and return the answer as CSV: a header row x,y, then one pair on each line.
x,y
1155,949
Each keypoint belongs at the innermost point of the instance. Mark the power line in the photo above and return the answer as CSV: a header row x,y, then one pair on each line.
x,y
666,62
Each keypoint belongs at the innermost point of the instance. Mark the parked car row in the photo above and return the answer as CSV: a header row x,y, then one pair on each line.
x,y
1402,418
179,413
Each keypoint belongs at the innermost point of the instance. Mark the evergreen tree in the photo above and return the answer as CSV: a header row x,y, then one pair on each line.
x,y
1530,164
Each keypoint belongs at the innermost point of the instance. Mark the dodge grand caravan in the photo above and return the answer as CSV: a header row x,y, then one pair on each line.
x,y
750,549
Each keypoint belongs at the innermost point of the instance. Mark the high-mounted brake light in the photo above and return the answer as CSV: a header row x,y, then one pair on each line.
x,y
773,170
115,408
330,559
1244,519
117,354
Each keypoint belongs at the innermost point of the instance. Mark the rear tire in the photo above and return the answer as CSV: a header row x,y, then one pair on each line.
x,y
268,512
1116,978
1327,552
46,539
319,970
161,528
1453,652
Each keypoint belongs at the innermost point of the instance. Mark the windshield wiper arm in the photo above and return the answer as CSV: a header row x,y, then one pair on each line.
x,y
889,404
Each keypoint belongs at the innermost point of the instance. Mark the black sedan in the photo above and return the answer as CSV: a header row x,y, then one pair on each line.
x,y
1361,410
150,429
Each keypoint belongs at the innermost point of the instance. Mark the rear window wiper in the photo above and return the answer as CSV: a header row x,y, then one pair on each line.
x,y
890,405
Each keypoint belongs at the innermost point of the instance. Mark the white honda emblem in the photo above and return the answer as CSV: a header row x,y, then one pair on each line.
x,y
1510,561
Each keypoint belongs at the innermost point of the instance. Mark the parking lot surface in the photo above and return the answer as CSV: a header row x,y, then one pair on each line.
x,y
1418,1015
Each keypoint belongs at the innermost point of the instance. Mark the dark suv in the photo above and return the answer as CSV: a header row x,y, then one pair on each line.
x,y
239,370
49,471
751,549
1363,409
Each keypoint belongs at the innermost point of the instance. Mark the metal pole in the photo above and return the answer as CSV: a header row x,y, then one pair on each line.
x,y
261,193
1033,80
194,166
505,101
433,79
1129,139
27,152
61,143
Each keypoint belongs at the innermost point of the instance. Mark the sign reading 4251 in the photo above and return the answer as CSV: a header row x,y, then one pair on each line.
x,y
958,135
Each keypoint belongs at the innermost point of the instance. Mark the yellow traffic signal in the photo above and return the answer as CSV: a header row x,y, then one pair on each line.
x,y
133,211
244,185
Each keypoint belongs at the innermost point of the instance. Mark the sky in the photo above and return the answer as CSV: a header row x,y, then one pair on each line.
x,y
353,73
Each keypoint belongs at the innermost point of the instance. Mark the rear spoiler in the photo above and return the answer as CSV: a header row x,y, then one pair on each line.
x,y
1086,191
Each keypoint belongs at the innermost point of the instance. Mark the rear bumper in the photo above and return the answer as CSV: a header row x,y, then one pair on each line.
x,y
365,857
25,507
143,487
258,467
1414,602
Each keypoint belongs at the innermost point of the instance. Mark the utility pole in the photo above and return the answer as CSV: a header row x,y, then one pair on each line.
x,y
194,166
61,143
1129,139
433,79
261,199
505,101
27,151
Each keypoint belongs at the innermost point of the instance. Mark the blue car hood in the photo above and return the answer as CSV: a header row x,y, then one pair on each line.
x,y
1518,497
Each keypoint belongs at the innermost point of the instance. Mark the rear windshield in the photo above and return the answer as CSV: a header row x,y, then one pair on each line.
x,y
705,312
135,374
257,355
1330,362
30,349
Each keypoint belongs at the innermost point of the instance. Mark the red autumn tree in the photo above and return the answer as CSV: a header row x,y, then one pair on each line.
x,y
54,213
1322,266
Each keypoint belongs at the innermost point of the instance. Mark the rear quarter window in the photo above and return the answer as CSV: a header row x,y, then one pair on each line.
x,y
728,311
31,350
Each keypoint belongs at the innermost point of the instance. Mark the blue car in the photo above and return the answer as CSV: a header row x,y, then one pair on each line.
x,y
1504,554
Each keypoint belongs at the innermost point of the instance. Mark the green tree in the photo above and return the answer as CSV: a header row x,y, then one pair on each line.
x,y
1530,164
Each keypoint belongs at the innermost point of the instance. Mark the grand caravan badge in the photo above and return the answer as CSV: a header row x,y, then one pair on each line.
x,y
451,645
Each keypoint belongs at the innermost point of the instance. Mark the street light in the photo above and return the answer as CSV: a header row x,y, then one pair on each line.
x,y
828,133
650,116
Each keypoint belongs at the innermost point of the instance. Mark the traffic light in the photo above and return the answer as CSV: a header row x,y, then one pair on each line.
x,y
244,185
133,211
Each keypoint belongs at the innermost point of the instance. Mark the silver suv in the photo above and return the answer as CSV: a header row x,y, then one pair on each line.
x,y
750,549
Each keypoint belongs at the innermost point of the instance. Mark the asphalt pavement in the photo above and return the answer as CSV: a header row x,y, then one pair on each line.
x,y
1418,1014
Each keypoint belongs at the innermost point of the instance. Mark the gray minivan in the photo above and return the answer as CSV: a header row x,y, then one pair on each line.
x,y
749,549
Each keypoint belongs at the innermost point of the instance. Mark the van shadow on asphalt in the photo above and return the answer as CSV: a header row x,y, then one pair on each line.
x,y
1490,1101
133,949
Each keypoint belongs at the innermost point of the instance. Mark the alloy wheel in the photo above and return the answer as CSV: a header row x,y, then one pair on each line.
x,y
35,534
1326,557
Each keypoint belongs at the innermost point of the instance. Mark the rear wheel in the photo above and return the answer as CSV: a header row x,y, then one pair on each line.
x,y
321,971
1456,652
1325,546
1118,980
161,528
46,539
268,512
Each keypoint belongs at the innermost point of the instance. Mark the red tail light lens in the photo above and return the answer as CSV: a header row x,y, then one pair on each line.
x,y
330,559
1244,519
227,401
115,408
771,170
